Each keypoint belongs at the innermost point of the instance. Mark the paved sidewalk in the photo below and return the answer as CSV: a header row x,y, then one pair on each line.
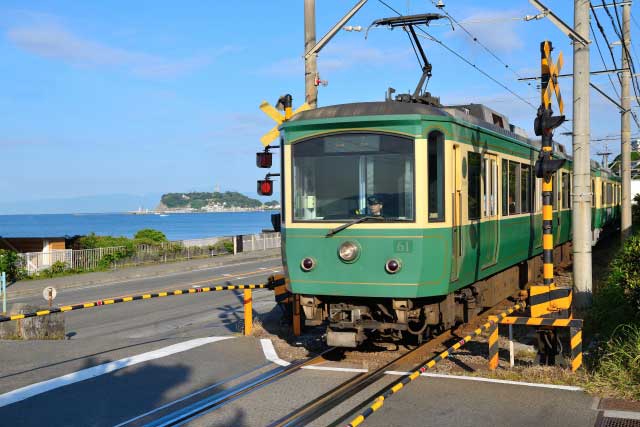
x,y
24,288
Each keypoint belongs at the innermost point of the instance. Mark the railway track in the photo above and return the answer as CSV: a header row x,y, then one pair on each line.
x,y
211,403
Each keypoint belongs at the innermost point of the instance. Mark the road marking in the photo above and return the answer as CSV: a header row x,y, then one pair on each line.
x,y
271,355
490,380
622,414
227,275
270,352
196,286
95,371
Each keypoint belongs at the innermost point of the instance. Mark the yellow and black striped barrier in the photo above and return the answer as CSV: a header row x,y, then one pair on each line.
x,y
406,379
110,301
574,325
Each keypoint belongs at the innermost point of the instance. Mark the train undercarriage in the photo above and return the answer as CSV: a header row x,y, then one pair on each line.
x,y
351,320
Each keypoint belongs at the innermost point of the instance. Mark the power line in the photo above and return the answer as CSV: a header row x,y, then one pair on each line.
x,y
604,64
475,39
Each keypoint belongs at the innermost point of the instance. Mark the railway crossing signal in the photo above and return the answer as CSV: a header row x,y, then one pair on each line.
x,y
284,103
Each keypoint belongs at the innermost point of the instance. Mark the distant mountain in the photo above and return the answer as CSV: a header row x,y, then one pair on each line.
x,y
82,204
212,202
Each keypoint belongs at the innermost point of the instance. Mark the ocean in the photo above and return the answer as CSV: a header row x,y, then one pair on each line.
x,y
174,226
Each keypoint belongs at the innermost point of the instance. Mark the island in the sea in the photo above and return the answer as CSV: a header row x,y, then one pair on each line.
x,y
229,201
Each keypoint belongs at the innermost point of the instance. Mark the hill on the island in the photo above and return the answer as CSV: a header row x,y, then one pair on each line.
x,y
198,200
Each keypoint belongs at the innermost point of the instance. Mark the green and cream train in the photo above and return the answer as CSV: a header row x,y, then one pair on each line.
x,y
458,222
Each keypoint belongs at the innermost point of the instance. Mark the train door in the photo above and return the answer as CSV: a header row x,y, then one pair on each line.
x,y
489,223
456,223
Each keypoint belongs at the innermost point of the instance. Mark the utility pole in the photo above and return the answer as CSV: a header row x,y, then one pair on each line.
x,y
581,191
625,123
605,155
310,62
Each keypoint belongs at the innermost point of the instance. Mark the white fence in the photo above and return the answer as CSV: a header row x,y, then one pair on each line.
x,y
260,242
89,259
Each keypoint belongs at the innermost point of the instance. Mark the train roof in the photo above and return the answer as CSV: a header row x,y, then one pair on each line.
x,y
476,114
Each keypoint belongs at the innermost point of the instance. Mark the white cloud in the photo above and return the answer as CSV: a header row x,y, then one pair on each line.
x,y
494,29
52,40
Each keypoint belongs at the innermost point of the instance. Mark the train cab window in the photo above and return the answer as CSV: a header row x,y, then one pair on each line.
x,y
566,189
525,188
336,177
435,168
514,188
474,174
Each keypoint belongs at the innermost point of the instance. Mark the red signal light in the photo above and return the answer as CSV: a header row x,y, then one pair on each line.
x,y
264,159
265,187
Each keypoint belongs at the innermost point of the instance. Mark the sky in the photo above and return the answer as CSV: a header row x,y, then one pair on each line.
x,y
148,97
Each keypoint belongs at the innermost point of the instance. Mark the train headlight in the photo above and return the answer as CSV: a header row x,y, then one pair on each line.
x,y
393,266
348,251
307,264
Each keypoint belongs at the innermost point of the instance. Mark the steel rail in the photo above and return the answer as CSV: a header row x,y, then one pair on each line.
x,y
110,301
209,404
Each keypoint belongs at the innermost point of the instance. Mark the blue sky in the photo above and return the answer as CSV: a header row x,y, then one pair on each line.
x,y
145,97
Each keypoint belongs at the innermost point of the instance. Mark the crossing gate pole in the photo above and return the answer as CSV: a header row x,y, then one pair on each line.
x,y
248,312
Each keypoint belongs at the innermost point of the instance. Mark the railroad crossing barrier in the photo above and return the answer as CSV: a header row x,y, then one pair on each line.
x,y
110,301
574,325
406,379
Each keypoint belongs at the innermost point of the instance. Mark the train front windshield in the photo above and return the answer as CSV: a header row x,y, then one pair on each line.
x,y
345,176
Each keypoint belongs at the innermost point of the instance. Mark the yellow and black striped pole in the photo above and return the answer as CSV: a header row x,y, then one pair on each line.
x,y
379,400
110,301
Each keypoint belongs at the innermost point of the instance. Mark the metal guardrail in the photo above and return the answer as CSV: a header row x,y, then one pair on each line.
x,y
110,301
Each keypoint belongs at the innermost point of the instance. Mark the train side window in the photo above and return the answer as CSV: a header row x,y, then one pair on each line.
x,y
565,190
525,187
435,168
609,194
514,188
505,187
593,193
474,174
602,194
554,192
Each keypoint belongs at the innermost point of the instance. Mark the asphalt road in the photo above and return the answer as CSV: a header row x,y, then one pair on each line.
x,y
129,364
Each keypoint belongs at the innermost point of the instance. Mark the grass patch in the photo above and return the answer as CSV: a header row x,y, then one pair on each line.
x,y
617,369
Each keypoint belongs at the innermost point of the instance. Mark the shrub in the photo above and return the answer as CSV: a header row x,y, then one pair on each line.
x,y
10,264
625,270
58,267
149,236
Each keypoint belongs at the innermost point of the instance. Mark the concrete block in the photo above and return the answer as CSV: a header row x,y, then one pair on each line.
x,y
51,327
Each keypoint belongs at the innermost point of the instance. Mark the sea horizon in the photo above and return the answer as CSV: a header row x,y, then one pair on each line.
x,y
176,226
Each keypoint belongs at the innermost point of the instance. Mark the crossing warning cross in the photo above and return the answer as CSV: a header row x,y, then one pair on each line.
x,y
278,117
550,73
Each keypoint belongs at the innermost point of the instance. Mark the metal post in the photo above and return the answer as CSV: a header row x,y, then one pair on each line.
x,y
581,212
511,351
493,343
576,346
248,312
625,123
4,291
297,326
310,63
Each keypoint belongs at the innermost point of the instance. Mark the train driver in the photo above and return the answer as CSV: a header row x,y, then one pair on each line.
x,y
374,205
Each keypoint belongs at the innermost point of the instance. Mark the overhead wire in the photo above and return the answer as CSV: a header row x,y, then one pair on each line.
x,y
475,39
432,38
604,64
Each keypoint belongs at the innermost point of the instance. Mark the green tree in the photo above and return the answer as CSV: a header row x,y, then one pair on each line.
x,y
10,264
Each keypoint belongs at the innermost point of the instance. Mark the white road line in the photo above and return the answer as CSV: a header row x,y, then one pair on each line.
x,y
334,369
490,380
622,414
270,352
227,275
262,268
271,355
95,371
195,286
